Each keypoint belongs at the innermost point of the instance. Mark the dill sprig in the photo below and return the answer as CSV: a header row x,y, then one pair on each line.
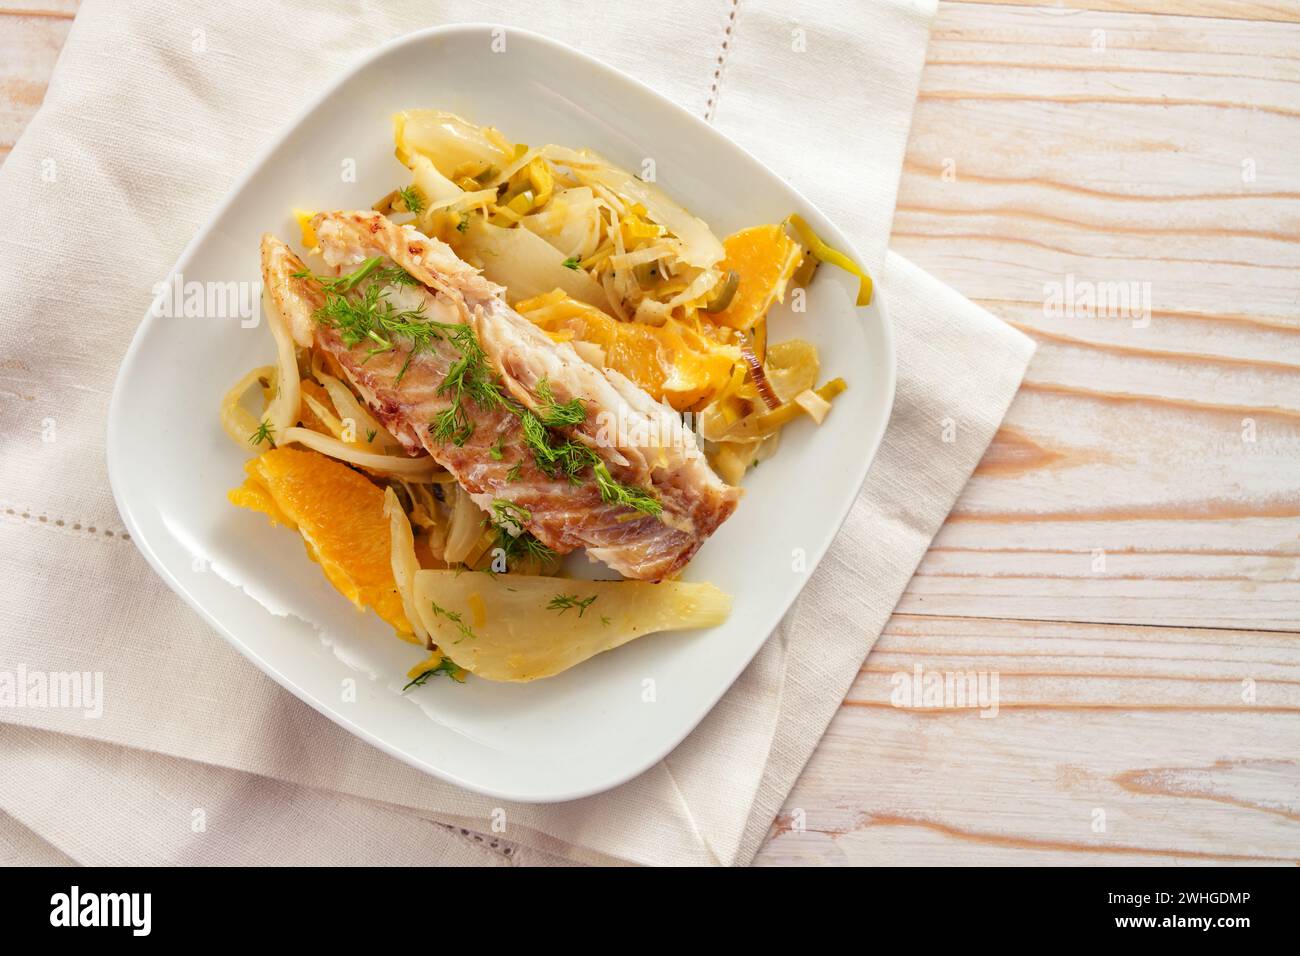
x,y
263,434
412,199
614,492
506,510
571,459
468,377
454,616
512,539
356,306
521,546
369,269
372,317
445,666
557,415
562,602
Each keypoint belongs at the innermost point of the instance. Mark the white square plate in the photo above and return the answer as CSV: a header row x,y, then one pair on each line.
x,y
587,729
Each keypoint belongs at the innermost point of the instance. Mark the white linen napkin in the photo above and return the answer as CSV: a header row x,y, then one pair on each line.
x,y
153,111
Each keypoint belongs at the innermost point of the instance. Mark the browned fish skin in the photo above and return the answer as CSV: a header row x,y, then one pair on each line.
x,y
563,515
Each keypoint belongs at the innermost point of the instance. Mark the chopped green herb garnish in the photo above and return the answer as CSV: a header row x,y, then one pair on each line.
x,y
507,511
557,415
498,450
604,620
572,458
562,602
368,270
263,434
524,545
513,541
401,372
469,376
463,225
366,315
573,262
614,492
370,435
515,469
455,618
445,666
412,198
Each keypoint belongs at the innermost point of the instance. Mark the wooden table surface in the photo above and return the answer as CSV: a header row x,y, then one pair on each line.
x,y
1125,559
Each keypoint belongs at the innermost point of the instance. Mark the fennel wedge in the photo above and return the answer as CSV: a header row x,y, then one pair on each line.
x,y
521,628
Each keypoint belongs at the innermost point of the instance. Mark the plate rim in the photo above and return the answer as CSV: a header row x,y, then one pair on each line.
x,y
113,449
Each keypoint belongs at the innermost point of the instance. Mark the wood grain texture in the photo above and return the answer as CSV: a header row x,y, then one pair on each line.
x,y
31,36
1125,559
1146,480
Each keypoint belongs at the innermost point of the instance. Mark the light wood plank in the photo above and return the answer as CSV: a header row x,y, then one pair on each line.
x,y
1287,11
1157,441
30,40
1146,725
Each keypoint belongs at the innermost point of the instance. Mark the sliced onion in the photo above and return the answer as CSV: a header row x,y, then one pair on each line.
x,y
526,264
571,222
349,407
466,527
637,257
700,247
701,284
235,418
446,139
405,564
512,168
590,352
759,375
413,469
433,185
285,407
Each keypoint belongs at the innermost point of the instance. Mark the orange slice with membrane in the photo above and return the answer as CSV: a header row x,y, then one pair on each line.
x,y
764,258
340,515
672,362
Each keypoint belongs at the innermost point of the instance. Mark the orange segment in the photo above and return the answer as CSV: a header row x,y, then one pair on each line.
x,y
764,258
672,362
308,416
340,515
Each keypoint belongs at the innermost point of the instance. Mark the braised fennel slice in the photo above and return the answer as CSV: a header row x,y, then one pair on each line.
x,y
523,627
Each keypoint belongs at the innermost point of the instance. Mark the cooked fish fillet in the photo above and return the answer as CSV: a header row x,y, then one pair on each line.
x,y
641,441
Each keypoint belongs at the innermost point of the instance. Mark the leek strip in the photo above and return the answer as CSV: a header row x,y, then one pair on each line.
x,y
755,427
824,253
